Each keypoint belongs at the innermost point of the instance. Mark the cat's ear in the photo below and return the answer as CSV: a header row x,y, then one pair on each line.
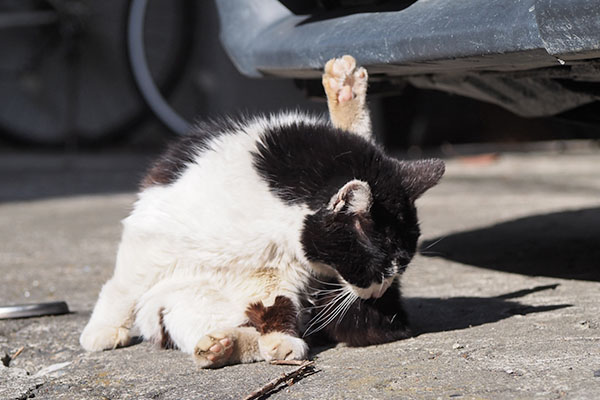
x,y
353,198
419,176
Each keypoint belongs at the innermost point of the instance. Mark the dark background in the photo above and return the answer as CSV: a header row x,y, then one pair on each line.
x,y
200,81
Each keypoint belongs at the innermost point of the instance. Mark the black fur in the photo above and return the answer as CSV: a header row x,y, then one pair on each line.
x,y
306,163
309,164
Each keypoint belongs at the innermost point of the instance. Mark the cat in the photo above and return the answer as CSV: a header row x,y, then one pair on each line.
x,y
250,237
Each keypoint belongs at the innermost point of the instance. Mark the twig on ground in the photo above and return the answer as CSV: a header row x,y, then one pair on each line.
x,y
288,362
287,377
19,351
8,358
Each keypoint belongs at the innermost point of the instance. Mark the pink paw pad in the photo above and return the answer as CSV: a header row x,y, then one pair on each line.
x,y
343,81
213,350
345,94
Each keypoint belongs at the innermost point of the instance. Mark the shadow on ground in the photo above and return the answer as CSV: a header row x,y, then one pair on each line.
x,y
42,176
428,315
561,245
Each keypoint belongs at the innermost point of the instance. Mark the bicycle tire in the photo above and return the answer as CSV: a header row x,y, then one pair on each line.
x,y
30,121
140,68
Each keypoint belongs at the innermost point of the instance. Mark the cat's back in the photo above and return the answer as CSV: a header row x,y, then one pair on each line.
x,y
210,185
225,147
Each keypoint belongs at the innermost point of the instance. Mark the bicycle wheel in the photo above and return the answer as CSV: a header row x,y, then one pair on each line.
x,y
144,27
69,78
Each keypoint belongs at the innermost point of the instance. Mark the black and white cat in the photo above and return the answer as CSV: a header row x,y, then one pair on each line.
x,y
249,236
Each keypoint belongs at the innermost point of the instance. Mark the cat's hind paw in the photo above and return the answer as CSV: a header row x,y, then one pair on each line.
x,y
281,346
343,81
213,350
98,338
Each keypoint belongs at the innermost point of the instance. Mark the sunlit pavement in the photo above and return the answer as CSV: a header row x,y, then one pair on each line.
x,y
504,298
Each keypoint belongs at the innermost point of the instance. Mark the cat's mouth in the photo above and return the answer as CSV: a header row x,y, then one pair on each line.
x,y
376,290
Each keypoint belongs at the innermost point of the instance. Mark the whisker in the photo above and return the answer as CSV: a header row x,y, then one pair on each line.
x,y
351,299
324,313
328,287
340,307
322,292
432,253
338,313
326,322
350,304
433,244
314,307
319,290
329,283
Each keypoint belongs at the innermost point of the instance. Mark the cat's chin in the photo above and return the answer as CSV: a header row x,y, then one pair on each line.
x,y
375,291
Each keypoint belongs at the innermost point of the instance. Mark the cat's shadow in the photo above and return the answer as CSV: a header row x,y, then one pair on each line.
x,y
428,315
561,245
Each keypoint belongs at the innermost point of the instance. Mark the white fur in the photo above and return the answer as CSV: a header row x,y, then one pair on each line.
x,y
281,346
201,249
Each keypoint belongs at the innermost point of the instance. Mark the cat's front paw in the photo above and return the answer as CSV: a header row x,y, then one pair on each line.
x,y
98,338
281,346
343,81
213,350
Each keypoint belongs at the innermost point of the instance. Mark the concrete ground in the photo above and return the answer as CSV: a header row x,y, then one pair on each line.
x,y
504,297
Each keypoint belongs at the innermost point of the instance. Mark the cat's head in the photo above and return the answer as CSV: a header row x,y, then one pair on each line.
x,y
367,231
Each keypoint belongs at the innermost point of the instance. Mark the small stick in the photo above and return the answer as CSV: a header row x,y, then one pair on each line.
x,y
8,358
288,362
277,381
19,351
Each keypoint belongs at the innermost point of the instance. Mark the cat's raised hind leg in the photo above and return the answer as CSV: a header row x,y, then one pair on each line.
x,y
345,85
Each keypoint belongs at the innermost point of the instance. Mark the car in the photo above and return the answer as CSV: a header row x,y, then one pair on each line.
x,y
536,58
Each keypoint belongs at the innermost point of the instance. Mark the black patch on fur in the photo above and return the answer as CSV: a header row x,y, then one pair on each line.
x,y
181,153
282,316
308,164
